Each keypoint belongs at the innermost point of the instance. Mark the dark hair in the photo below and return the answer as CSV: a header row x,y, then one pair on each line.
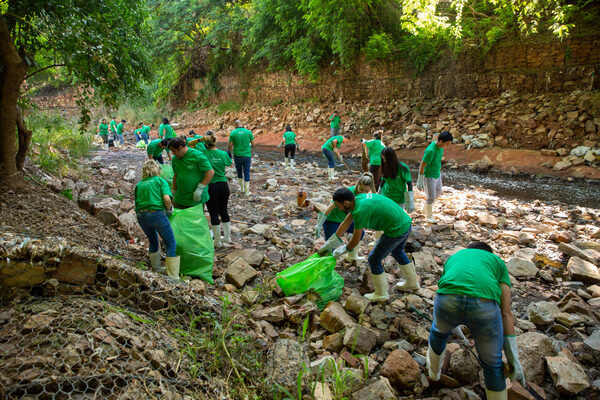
x,y
288,128
165,142
347,136
480,246
377,135
113,117
209,132
165,121
140,123
335,112
389,163
123,120
152,125
177,143
445,136
343,194
191,132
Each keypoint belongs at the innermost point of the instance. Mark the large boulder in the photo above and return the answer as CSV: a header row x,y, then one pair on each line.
x,y
542,313
380,390
360,339
568,376
251,256
285,361
521,268
334,318
402,370
464,367
533,347
582,270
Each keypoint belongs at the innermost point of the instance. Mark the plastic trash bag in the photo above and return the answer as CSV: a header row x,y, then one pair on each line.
x,y
141,144
315,273
167,174
194,244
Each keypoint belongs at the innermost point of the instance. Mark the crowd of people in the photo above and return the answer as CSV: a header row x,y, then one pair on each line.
x,y
474,289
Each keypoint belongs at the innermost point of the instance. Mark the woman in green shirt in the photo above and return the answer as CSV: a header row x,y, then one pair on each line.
x,y
152,206
291,145
103,132
396,180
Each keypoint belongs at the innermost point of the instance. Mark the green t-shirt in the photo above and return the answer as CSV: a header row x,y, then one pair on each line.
x,y
199,146
153,149
167,131
433,158
375,148
149,193
138,131
378,213
146,129
335,121
474,273
103,129
113,126
219,159
241,138
120,128
190,172
290,137
337,215
329,143
395,188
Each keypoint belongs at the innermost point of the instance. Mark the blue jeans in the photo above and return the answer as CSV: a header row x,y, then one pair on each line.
x,y
242,164
484,320
330,227
120,138
386,245
154,224
329,156
143,136
335,132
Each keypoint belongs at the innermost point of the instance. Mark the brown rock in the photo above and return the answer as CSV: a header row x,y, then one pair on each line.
x,y
333,342
402,371
334,318
21,274
517,392
76,270
239,272
271,314
568,376
487,219
360,339
581,270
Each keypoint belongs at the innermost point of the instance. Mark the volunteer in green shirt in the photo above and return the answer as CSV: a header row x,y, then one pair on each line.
x,y
103,132
376,212
191,174
330,147
374,148
474,290
290,141
334,124
113,129
218,190
155,149
120,128
166,131
142,133
241,142
195,141
430,177
396,180
152,206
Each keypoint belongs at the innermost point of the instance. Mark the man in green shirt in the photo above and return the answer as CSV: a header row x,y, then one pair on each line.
x,y
374,148
334,124
191,174
241,142
113,128
474,290
291,145
120,128
103,132
376,212
155,149
430,177
330,147
166,131
142,133
195,141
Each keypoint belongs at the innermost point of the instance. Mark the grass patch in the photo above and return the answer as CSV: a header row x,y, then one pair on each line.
x,y
228,106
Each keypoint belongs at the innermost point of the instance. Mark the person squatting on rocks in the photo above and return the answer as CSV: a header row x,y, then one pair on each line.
x,y
474,290
103,132
191,174
334,124
155,149
241,142
374,148
142,133
218,190
331,146
329,221
376,212
291,145
152,206
430,178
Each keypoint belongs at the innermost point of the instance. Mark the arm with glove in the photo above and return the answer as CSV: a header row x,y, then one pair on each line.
x,y
510,340
202,185
409,198
321,218
421,178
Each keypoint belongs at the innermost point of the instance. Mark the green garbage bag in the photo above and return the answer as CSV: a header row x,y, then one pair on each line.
x,y
194,244
141,144
315,273
167,174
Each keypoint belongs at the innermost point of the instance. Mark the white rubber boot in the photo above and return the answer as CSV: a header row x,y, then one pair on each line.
x,y
491,395
352,256
173,266
247,188
216,229
381,288
429,213
293,163
434,363
410,276
331,174
241,180
287,163
155,261
227,233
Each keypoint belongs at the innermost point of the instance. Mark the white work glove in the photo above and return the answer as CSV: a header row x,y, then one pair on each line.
x,y
321,218
341,158
458,332
340,251
198,192
333,243
421,182
280,145
409,202
512,355
169,212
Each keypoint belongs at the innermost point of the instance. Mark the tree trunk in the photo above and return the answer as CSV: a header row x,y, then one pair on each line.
x,y
24,140
13,70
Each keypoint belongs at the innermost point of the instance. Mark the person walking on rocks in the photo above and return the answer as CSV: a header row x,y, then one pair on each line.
x,y
291,145
330,147
329,221
155,149
334,124
103,132
113,130
191,174
396,180
474,290
152,207
120,128
241,142
376,212
166,131
218,191
430,178
374,148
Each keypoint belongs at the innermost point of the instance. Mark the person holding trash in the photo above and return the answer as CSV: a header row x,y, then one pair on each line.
x,y
374,148
474,290
155,149
152,207
331,146
376,212
329,221
241,142
291,145
103,132
191,174
430,178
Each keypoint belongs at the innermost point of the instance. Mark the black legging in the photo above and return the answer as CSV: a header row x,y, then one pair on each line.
x,y
217,203
291,150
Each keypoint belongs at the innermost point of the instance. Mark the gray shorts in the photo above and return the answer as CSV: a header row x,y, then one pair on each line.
x,y
433,188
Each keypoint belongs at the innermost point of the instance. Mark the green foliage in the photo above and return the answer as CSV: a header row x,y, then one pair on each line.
x,y
228,106
67,194
379,47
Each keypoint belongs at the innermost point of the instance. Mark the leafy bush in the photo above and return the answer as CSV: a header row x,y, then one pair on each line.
x,y
228,106
379,46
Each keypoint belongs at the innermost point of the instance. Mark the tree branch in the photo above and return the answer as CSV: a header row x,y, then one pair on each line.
x,y
43,69
24,140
